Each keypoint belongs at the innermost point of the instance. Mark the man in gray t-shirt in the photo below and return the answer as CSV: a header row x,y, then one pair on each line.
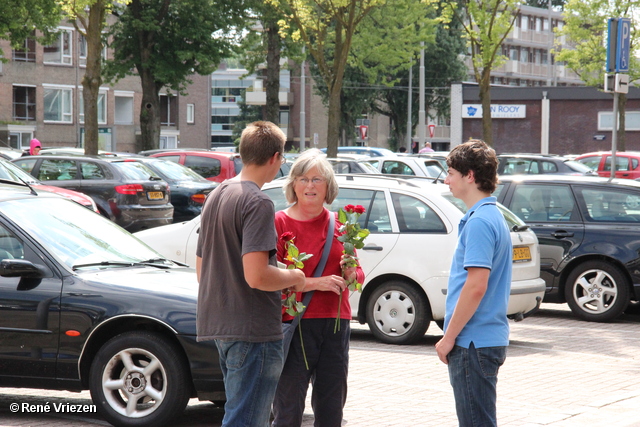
x,y
239,304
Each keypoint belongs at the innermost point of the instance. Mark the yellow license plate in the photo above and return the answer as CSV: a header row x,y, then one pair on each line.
x,y
521,254
155,195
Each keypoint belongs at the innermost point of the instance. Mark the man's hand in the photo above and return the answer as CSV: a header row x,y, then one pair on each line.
x,y
443,348
300,280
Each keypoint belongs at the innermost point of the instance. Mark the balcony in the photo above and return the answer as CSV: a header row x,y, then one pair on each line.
x,y
256,95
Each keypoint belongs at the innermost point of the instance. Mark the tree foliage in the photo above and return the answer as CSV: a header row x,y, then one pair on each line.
x,y
585,29
486,24
20,18
166,41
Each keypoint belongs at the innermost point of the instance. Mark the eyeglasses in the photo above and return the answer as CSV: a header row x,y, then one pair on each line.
x,y
315,180
282,159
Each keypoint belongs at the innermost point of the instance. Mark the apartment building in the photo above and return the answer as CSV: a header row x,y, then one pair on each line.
x,y
527,51
41,97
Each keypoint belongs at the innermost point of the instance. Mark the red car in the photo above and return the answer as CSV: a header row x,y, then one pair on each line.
x,y
627,163
213,165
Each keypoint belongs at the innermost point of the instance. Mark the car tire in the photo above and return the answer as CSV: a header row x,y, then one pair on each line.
x,y
597,291
125,394
397,313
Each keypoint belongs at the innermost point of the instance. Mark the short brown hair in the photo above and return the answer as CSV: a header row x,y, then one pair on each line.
x,y
260,141
475,155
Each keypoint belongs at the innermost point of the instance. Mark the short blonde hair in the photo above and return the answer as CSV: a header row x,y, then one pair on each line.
x,y
307,161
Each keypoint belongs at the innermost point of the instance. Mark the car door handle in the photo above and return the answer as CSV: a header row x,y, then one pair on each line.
x,y
372,248
561,234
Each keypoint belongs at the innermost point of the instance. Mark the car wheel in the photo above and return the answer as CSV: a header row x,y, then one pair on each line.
x,y
597,291
139,379
397,313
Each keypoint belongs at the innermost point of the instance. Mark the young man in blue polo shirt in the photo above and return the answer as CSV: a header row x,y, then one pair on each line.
x,y
476,336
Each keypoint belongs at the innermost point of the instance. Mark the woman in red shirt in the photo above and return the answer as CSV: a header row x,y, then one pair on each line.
x,y
309,186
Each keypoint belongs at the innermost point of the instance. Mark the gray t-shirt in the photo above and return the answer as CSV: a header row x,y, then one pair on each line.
x,y
237,218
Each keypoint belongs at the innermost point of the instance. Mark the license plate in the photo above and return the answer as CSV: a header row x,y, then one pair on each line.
x,y
521,254
155,195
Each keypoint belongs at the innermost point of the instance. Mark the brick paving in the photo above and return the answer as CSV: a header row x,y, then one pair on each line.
x,y
559,372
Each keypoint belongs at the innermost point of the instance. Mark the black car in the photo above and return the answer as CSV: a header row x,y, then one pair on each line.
x,y
589,234
188,189
84,305
535,164
128,193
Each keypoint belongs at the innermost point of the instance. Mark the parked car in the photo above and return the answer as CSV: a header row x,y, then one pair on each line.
x,y
408,165
589,233
11,172
9,153
128,193
407,257
627,163
213,165
342,165
367,151
188,189
534,164
440,156
86,306
75,151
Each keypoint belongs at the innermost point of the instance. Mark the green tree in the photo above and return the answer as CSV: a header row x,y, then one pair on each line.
x,y
327,28
486,24
166,41
248,114
585,28
20,18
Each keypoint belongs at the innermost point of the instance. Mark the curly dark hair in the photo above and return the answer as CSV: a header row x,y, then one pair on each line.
x,y
475,155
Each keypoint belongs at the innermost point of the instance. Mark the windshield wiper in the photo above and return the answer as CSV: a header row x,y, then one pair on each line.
x,y
153,262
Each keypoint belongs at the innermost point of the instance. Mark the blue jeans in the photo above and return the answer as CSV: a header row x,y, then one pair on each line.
x,y
473,374
251,371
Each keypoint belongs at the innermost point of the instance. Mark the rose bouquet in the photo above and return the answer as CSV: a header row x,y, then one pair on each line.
x,y
352,238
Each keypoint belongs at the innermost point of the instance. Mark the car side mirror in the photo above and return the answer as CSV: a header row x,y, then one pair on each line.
x,y
20,268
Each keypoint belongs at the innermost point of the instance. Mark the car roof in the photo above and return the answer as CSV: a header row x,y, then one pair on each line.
x,y
202,153
571,179
602,153
533,155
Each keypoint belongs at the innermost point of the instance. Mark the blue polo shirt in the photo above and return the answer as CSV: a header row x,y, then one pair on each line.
x,y
484,241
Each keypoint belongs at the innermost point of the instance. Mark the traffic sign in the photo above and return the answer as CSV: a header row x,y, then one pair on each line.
x,y
618,46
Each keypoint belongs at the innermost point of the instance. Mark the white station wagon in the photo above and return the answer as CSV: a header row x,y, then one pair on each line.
x,y
406,258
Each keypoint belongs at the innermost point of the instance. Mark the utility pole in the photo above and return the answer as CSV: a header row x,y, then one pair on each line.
x,y
303,114
421,112
409,127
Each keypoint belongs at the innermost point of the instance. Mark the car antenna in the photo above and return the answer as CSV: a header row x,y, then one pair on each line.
x,y
435,180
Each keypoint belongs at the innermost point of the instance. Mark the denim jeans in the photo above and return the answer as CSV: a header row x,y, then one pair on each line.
x,y
473,373
251,371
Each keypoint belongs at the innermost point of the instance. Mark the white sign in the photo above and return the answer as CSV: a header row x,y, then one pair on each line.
x,y
498,111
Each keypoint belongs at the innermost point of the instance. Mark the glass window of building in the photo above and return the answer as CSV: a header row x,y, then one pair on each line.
x,y
26,52
24,103
168,110
59,52
58,107
102,108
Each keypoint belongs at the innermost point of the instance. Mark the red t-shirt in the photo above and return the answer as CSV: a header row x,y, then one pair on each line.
x,y
309,238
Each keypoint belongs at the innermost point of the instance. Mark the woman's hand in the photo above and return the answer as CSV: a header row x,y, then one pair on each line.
x,y
333,283
349,266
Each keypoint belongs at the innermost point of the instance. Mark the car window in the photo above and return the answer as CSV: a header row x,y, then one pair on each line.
x,y
56,169
175,159
592,162
237,164
535,202
135,170
378,217
396,168
499,189
341,167
577,166
622,163
549,167
354,196
608,205
415,216
277,196
91,170
176,171
27,164
374,163
516,166
10,246
205,166
634,163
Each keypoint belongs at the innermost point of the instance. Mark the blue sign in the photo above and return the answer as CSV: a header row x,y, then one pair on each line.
x,y
622,45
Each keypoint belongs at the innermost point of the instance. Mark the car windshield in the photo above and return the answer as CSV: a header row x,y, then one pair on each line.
x,y
74,234
176,171
14,173
577,166
135,170
368,166
509,216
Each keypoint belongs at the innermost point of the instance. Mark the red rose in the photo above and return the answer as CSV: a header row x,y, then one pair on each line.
x,y
359,209
287,236
349,208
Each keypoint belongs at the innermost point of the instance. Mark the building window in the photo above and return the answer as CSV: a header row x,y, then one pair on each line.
x,y
524,22
513,54
82,51
168,110
284,117
24,103
59,52
26,52
58,105
191,113
222,122
102,108
524,54
123,108
20,139
605,120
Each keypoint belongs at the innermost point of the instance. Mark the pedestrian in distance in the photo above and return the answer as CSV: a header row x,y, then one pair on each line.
x,y
476,329
402,149
324,359
239,297
34,148
427,148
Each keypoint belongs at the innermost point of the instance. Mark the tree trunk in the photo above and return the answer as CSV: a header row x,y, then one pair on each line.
x,y
149,112
622,139
333,126
272,85
93,76
485,100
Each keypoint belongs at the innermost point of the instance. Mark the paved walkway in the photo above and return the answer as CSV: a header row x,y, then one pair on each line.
x,y
559,372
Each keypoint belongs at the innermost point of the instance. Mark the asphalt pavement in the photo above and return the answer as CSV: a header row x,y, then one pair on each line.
x,y
560,372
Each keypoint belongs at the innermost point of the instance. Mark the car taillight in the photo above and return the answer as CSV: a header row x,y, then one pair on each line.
x,y
129,189
199,198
